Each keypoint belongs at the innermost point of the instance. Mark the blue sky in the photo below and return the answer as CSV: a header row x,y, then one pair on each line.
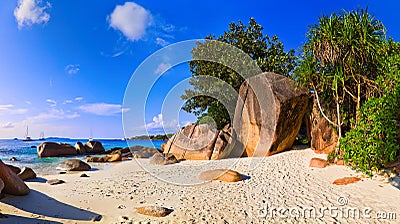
x,y
65,65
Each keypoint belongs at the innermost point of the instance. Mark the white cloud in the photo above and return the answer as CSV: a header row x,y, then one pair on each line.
x,y
161,42
79,99
158,123
103,109
67,101
30,12
72,69
8,125
131,19
52,102
163,67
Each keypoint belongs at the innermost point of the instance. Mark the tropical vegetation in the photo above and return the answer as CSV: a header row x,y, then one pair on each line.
x,y
349,65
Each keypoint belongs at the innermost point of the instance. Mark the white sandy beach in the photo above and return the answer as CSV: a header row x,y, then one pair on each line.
x,y
284,180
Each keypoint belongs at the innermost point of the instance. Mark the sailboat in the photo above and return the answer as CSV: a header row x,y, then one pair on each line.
x,y
91,135
41,138
27,137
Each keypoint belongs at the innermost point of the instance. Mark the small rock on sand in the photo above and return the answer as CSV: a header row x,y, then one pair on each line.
x,y
55,181
346,180
225,175
74,165
159,159
156,211
84,175
318,163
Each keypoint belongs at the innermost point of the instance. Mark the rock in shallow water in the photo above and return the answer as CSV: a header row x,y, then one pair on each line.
x,y
156,211
225,175
53,149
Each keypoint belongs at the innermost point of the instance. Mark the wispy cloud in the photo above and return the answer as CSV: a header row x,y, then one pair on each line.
x,y
79,99
117,54
53,114
163,67
67,101
7,125
9,108
30,12
19,111
131,19
161,42
6,106
103,109
53,103
72,69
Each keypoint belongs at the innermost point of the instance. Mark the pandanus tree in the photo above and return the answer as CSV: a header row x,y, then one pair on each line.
x,y
340,63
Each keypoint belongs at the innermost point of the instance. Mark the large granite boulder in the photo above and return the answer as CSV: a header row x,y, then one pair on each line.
x,y
94,147
269,114
198,142
53,149
15,169
74,165
323,137
12,183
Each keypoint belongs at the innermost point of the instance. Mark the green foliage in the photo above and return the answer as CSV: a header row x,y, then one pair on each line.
x,y
268,53
375,139
331,156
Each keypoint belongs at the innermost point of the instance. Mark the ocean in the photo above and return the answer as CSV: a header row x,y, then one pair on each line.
x,y
26,152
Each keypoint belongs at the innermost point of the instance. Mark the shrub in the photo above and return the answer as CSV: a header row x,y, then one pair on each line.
x,y
375,139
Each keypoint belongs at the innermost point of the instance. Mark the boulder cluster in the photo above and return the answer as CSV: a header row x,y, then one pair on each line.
x,y
12,179
53,149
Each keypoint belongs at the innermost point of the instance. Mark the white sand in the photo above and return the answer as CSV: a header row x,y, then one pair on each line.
x,y
280,181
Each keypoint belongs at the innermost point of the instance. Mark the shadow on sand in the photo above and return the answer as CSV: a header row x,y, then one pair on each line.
x,y
395,182
40,204
25,220
37,179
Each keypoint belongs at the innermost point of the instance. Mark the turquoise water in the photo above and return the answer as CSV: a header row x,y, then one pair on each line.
x,y
27,154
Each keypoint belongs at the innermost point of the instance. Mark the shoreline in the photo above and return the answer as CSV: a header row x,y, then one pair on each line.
x,y
282,180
